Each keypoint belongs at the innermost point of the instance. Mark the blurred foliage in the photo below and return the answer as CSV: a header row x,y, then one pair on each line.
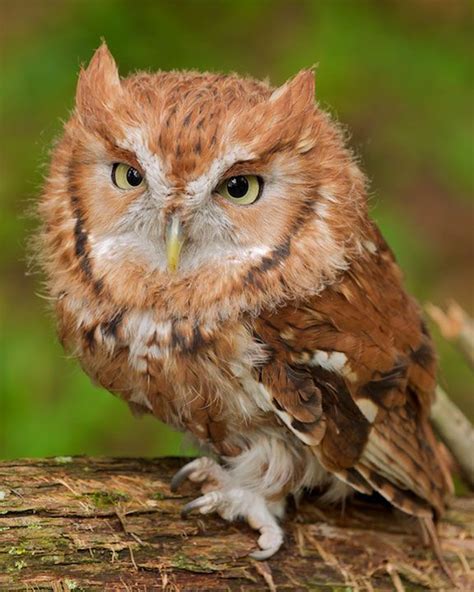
x,y
398,74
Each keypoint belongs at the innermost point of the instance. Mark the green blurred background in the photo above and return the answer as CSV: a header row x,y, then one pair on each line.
x,y
398,74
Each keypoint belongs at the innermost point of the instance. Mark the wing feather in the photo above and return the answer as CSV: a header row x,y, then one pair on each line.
x,y
354,368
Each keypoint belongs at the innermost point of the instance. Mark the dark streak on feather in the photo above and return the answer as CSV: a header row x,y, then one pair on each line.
x,y
356,479
348,429
282,251
184,344
90,339
303,427
424,355
80,237
377,480
109,328
278,255
277,404
406,499
395,378
198,339
177,339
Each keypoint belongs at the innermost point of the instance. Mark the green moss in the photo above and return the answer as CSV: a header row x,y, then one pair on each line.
x,y
158,496
105,499
17,566
51,544
17,551
194,564
20,564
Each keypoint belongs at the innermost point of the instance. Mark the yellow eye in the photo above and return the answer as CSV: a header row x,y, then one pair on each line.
x,y
126,177
241,189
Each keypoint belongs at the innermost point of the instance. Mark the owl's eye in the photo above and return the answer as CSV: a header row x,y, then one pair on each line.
x,y
241,189
125,176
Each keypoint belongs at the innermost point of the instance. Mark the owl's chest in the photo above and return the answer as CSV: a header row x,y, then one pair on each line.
x,y
195,378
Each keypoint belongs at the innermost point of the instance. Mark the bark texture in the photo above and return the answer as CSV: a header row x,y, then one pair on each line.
x,y
113,524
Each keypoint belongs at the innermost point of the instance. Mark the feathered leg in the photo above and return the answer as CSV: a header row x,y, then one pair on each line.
x,y
231,501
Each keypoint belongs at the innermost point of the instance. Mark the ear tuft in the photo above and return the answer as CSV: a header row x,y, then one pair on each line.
x,y
98,84
296,94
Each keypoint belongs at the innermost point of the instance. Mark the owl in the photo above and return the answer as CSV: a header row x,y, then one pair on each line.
x,y
208,249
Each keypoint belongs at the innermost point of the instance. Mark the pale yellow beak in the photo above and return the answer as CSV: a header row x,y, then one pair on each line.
x,y
174,243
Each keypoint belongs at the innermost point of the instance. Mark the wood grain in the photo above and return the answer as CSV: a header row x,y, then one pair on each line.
x,y
112,524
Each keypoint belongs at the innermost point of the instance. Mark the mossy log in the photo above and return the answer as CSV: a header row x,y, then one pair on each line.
x,y
113,524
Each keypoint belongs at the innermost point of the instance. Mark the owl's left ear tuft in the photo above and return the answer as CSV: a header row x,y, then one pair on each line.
x,y
99,84
285,117
296,94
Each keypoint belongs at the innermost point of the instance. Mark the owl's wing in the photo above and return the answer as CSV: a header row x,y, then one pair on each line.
x,y
352,374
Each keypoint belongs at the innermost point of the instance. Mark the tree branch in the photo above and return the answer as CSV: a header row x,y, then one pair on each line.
x,y
453,427
456,431
113,524
456,326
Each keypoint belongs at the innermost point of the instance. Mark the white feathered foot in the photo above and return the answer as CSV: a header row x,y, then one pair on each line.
x,y
231,501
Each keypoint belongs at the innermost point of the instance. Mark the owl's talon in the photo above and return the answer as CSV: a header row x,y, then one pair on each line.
x,y
181,476
263,554
189,508
270,541
198,470
205,504
235,502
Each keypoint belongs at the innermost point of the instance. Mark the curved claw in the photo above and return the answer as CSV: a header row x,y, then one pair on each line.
x,y
198,470
181,476
263,554
191,506
270,541
205,504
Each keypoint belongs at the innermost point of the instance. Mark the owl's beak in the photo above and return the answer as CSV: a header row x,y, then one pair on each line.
x,y
174,243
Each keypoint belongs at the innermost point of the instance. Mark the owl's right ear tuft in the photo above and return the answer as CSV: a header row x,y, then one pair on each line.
x,y
98,85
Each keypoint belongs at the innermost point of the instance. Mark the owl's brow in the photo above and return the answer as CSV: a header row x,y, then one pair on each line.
x,y
120,154
248,167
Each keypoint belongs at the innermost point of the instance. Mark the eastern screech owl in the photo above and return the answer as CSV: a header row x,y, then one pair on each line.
x,y
207,245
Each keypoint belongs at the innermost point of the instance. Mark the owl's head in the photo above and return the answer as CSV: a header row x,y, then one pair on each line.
x,y
198,194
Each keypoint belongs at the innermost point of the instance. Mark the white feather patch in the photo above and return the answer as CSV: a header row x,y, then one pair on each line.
x,y
140,328
333,361
370,246
368,408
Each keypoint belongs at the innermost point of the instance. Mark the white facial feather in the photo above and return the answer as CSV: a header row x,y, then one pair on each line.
x,y
211,239
135,141
139,235
204,185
